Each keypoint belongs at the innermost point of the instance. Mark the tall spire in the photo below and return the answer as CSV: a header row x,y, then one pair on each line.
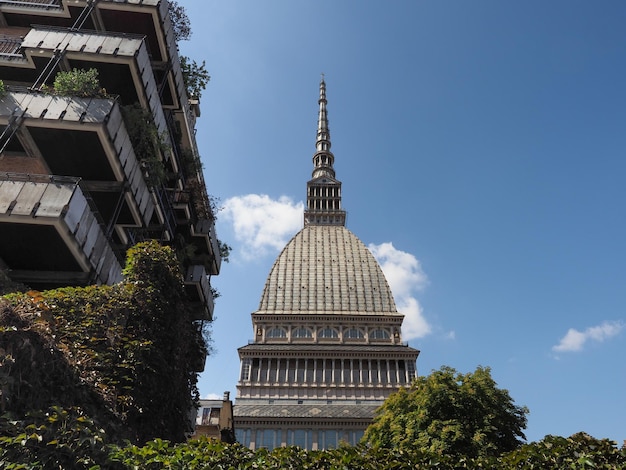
x,y
323,190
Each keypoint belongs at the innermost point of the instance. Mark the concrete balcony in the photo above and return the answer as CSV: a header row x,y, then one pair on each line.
x,y
205,238
50,235
80,137
147,19
198,289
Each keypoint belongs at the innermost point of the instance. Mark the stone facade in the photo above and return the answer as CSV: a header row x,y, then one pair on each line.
x,y
327,349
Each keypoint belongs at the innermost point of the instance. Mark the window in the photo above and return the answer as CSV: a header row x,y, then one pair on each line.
x,y
268,438
329,439
301,438
204,421
338,367
379,334
301,369
243,436
276,333
353,333
328,333
291,370
301,332
410,368
374,371
246,365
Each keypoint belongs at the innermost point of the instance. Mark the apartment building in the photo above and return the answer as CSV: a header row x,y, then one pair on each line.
x,y
85,176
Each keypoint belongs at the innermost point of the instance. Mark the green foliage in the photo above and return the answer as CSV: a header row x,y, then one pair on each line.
x,y
449,413
56,438
147,143
579,451
120,353
180,21
210,454
195,76
78,82
224,250
3,90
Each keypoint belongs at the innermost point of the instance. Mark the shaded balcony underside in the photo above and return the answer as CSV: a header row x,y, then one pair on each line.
x,y
135,19
49,235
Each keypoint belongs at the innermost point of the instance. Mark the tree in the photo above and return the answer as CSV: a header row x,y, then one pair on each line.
x,y
180,21
195,76
450,414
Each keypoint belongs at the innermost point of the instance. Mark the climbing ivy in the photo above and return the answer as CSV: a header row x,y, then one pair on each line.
x,y
114,354
147,143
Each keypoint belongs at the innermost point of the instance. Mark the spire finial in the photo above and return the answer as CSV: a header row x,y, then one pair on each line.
x,y
323,190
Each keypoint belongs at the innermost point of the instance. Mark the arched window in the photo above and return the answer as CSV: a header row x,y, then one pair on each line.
x,y
379,334
328,333
301,332
276,333
353,333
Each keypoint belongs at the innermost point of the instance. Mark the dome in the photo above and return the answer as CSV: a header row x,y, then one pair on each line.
x,y
326,269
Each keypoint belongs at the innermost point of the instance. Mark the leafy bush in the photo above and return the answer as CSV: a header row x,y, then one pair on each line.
x,y
54,438
78,82
3,90
195,76
577,451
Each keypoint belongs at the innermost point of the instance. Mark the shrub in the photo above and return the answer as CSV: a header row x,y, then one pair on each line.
x,y
78,82
195,76
180,21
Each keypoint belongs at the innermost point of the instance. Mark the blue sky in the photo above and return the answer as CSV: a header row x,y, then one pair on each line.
x,y
482,150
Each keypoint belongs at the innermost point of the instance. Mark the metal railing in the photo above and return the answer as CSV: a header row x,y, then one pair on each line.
x,y
33,178
10,46
33,3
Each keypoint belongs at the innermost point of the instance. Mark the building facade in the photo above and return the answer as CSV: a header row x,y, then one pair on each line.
x,y
214,419
327,346
84,176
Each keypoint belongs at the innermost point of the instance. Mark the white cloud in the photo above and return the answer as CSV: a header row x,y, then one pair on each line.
x,y
575,340
262,224
213,396
405,276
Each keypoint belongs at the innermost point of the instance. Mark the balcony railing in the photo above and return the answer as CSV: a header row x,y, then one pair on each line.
x,y
33,3
10,46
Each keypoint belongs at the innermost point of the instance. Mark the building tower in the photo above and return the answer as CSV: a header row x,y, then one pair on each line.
x,y
80,178
327,349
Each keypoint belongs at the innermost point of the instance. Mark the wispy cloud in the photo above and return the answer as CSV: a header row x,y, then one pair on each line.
x,y
262,224
405,276
575,340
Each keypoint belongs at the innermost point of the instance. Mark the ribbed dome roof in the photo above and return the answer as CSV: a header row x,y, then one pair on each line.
x,y
326,269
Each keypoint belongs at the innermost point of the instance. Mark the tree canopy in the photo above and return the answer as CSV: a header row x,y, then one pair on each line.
x,y
450,413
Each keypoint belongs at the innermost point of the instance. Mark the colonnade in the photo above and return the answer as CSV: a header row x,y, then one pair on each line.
x,y
327,371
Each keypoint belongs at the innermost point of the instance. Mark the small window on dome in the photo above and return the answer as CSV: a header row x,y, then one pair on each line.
x,y
276,333
353,333
379,334
328,333
301,332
